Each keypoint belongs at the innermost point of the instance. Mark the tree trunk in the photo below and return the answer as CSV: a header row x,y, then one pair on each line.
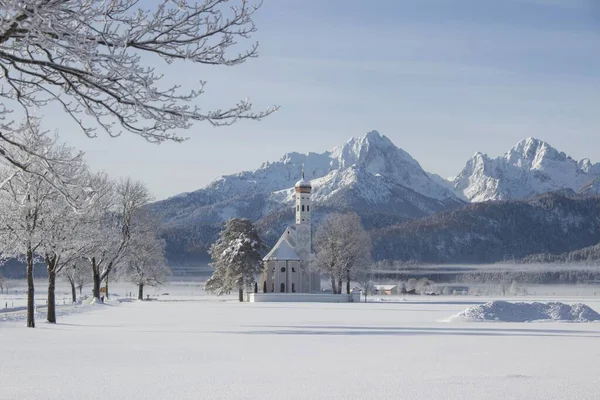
x,y
80,290
30,288
97,280
51,312
106,286
141,291
241,293
333,287
340,285
348,283
73,292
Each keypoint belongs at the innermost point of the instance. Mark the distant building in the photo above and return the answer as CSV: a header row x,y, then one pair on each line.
x,y
386,289
286,265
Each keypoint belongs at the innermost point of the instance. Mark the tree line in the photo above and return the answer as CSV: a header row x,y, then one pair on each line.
x,y
80,225
98,63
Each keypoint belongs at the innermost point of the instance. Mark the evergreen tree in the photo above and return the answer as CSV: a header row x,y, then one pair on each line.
x,y
237,258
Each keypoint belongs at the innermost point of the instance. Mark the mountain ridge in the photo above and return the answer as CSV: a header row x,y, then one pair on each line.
x,y
529,168
382,183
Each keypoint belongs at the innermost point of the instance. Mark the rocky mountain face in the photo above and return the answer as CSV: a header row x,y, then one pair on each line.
x,y
551,223
531,167
368,175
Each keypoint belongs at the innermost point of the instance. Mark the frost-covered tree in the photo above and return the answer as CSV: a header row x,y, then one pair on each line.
x,y
64,231
237,258
113,225
29,202
99,62
341,244
363,275
144,263
78,274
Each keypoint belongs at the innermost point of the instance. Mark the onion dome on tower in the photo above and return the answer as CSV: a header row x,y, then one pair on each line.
x,y
303,185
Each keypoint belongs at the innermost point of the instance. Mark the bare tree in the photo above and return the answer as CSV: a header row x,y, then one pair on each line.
x,y
96,60
144,263
363,275
78,275
28,202
342,244
112,229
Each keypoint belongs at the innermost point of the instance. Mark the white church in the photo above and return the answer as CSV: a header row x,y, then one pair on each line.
x,y
286,268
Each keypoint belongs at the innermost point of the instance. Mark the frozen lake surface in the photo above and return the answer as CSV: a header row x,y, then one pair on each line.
x,y
201,347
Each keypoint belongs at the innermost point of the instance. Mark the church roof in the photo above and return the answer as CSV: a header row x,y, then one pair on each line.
x,y
284,249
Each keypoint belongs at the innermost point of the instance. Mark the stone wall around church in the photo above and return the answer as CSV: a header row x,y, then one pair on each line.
x,y
302,298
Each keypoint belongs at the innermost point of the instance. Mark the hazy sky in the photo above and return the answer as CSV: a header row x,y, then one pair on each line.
x,y
441,78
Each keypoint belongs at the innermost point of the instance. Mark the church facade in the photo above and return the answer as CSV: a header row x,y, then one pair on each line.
x,y
286,268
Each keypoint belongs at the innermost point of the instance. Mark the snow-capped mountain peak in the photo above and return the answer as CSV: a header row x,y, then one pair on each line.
x,y
368,173
530,167
534,154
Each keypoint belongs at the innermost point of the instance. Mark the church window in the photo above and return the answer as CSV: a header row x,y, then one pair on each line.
x,y
293,288
282,287
293,269
297,208
302,207
307,208
273,287
282,269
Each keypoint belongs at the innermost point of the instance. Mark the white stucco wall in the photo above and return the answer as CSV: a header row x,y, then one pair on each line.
x,y
303,298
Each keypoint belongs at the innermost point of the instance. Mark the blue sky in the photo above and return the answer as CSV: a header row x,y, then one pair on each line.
x,y
441,78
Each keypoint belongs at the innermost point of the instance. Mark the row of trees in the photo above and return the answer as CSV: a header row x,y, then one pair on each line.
x,y
75,223
342,252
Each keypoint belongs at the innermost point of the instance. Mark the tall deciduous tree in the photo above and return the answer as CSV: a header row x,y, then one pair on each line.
x,y
341,245
144,263
115,224
237,258
96,60
29,201
64,230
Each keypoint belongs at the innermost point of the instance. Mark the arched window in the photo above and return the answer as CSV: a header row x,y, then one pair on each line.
x,y
297,208
307,208
293,288
293,269
273,287
282,287
302,207
282,269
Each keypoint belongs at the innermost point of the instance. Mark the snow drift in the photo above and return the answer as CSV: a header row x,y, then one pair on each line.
x,y
503,311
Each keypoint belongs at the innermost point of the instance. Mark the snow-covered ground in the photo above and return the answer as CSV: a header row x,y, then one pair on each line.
x,y
188,345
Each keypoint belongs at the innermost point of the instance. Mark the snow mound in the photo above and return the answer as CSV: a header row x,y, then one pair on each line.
x,y
503,311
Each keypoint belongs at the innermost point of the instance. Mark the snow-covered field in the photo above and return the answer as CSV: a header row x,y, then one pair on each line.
x,y
191,346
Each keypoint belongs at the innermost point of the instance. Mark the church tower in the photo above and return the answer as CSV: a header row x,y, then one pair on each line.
x,y
303,214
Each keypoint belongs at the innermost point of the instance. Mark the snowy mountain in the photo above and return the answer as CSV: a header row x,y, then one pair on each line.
x,y
531,167
369,175
364,172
